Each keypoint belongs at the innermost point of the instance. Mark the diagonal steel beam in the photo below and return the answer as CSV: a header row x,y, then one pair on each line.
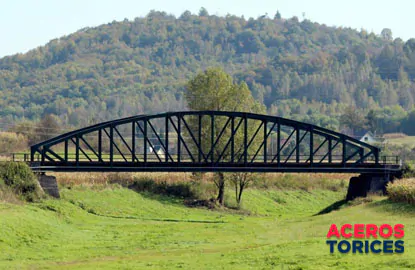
x,y
199,147
263,142
147,140
297,146
160,141
231,139
45,155
364,157
218,138
251,140
354,154
54,154
112,142
125,143
181,139
318,148
91,148
283,145
331,148
80,149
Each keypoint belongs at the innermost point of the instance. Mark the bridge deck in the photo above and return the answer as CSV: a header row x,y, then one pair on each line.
x,y
218,167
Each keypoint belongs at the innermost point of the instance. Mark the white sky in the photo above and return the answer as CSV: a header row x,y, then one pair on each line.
x,y
27,24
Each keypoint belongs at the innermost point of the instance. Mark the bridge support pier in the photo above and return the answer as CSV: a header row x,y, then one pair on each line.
x,y
49,184
365,184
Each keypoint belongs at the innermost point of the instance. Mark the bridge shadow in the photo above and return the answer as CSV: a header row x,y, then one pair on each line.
x,y
333,207
392,207
95,213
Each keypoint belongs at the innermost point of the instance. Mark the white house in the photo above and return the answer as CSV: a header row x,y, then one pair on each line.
x,y
368,137
159,151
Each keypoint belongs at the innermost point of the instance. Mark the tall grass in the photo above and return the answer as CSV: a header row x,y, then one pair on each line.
x,y
402,191
262,180
307,182
124,179
200,186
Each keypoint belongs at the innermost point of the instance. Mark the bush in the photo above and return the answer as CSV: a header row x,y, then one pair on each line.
x,y
12,142
20,178
402,191
178,189
408,170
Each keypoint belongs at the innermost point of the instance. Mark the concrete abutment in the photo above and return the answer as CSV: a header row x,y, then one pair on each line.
x,y
364,184
49,184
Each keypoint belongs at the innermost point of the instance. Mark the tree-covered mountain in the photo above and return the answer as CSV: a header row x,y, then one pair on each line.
x,y
298,69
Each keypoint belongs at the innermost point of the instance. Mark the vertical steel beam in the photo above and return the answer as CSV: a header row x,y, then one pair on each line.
x,y
179,135
297,145
77,150
376,152
145,140
100,145
199,135
111,145
311,146
330,148
66,150
232,139
278,143
343,150
245,139
133,141
166,138
212,136
265,140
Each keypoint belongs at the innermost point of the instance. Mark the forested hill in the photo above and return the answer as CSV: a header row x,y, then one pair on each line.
x,y
297,68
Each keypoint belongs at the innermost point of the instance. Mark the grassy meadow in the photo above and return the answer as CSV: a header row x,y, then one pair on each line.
x,y
406,140
101,224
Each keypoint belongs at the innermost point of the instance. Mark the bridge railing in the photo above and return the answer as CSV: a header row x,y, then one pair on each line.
x,y
25,157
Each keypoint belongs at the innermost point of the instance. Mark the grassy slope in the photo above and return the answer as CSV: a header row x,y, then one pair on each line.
x,y
122,229
410,140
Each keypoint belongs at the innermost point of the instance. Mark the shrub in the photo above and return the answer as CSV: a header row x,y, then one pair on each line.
x,y
408,170
20,178
402,191
178,189
12,142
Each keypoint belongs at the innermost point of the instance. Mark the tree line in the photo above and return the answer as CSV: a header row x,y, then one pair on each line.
x,y
297,68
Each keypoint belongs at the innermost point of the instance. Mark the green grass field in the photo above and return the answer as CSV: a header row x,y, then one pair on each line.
x,y
93,227
409,140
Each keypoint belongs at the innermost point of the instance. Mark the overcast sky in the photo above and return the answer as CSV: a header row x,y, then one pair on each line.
x,y
27,24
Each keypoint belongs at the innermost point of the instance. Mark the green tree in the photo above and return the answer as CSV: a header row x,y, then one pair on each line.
x,y
48,128
241,181
372,121
352,119
408,124
203,12
214,89
277,16
387,34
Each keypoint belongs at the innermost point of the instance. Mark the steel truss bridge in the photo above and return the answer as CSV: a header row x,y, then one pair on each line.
x,y
208,141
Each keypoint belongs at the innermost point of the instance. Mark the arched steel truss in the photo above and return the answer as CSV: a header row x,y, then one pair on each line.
x,y
205,141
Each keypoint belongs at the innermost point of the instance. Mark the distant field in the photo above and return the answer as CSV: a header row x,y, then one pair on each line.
x,y
117,228
410,140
